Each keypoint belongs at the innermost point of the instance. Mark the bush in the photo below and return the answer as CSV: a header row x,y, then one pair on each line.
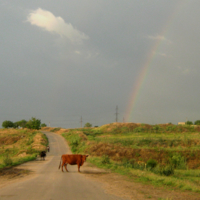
x,y
178,161
105,159
151,163
74,141
7,160
167,170
138,130
128,163
157,129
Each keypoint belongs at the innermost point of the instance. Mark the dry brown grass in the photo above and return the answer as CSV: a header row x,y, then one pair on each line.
x,y
50,129
118,153
38,142
17,143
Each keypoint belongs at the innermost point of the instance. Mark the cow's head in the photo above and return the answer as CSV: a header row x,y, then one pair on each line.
x,y
84,158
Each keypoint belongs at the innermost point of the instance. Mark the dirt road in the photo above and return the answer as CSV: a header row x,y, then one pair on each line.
x,y
49,183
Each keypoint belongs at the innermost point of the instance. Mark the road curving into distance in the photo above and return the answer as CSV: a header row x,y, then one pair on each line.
x,y
49,183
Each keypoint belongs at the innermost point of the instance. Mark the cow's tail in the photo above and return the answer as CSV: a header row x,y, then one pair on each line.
x,y
60,163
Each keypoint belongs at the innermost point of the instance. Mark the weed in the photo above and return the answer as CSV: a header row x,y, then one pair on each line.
x,y
151,163
167,170
105,159
7,160
138,129
55,129
178,161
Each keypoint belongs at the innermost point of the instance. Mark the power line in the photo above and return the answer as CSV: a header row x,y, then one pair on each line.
x,y
116,113
81,121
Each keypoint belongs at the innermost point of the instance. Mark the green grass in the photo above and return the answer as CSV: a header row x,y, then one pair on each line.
x,y
18,161
145,176
178,144
11,149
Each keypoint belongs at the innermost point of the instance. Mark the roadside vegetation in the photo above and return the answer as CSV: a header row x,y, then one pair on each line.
x,y
163,155
20,145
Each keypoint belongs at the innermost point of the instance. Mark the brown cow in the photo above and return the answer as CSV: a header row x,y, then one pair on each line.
x,y
72,159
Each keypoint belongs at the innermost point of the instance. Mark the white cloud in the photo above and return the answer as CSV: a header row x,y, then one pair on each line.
x,y
49,22
159,37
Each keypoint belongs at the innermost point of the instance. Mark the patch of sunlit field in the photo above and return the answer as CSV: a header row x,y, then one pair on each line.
x,y
163,155
20,145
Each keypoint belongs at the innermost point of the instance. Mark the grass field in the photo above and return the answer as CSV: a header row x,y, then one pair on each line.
x,y
19,146
163,155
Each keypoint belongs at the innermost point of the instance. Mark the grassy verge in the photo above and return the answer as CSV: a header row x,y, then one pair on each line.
x,y
19,146
146,176
157,158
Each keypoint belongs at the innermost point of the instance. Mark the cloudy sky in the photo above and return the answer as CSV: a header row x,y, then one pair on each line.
x,y
60,60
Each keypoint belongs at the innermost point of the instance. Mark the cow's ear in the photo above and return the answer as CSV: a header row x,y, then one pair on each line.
x,y
87,155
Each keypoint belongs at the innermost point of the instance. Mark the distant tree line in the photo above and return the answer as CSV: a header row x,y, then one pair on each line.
x,y
197,122
33,123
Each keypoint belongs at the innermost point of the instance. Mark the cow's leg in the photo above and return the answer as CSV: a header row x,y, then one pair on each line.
x,y
66,167
62,166
78,167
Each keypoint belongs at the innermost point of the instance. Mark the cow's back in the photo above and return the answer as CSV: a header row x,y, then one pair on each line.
x,y
72,159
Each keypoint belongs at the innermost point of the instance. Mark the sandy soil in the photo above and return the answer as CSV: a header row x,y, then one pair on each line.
x,y
112,183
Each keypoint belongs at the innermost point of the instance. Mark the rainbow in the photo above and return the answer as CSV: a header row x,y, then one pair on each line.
x,y
139,83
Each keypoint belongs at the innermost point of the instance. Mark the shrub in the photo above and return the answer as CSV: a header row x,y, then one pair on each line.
x,y
138,129
74,141
171,128
151,163
157,129
55,129
7,160
167,170
105,159
128,163
178,161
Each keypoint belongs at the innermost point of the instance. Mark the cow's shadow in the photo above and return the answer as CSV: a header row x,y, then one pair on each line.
x,y
93,172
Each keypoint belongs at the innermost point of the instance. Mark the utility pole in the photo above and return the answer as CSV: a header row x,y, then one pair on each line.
x,y
49,124
81,121
123,120
116,113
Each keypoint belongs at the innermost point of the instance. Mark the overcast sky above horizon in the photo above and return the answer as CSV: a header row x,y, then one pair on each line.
x,y
61,60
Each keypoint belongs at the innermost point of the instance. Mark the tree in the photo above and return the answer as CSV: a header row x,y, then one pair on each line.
x,y
33,123
22,123
43,125
197,122
7,124
188,123
88,125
